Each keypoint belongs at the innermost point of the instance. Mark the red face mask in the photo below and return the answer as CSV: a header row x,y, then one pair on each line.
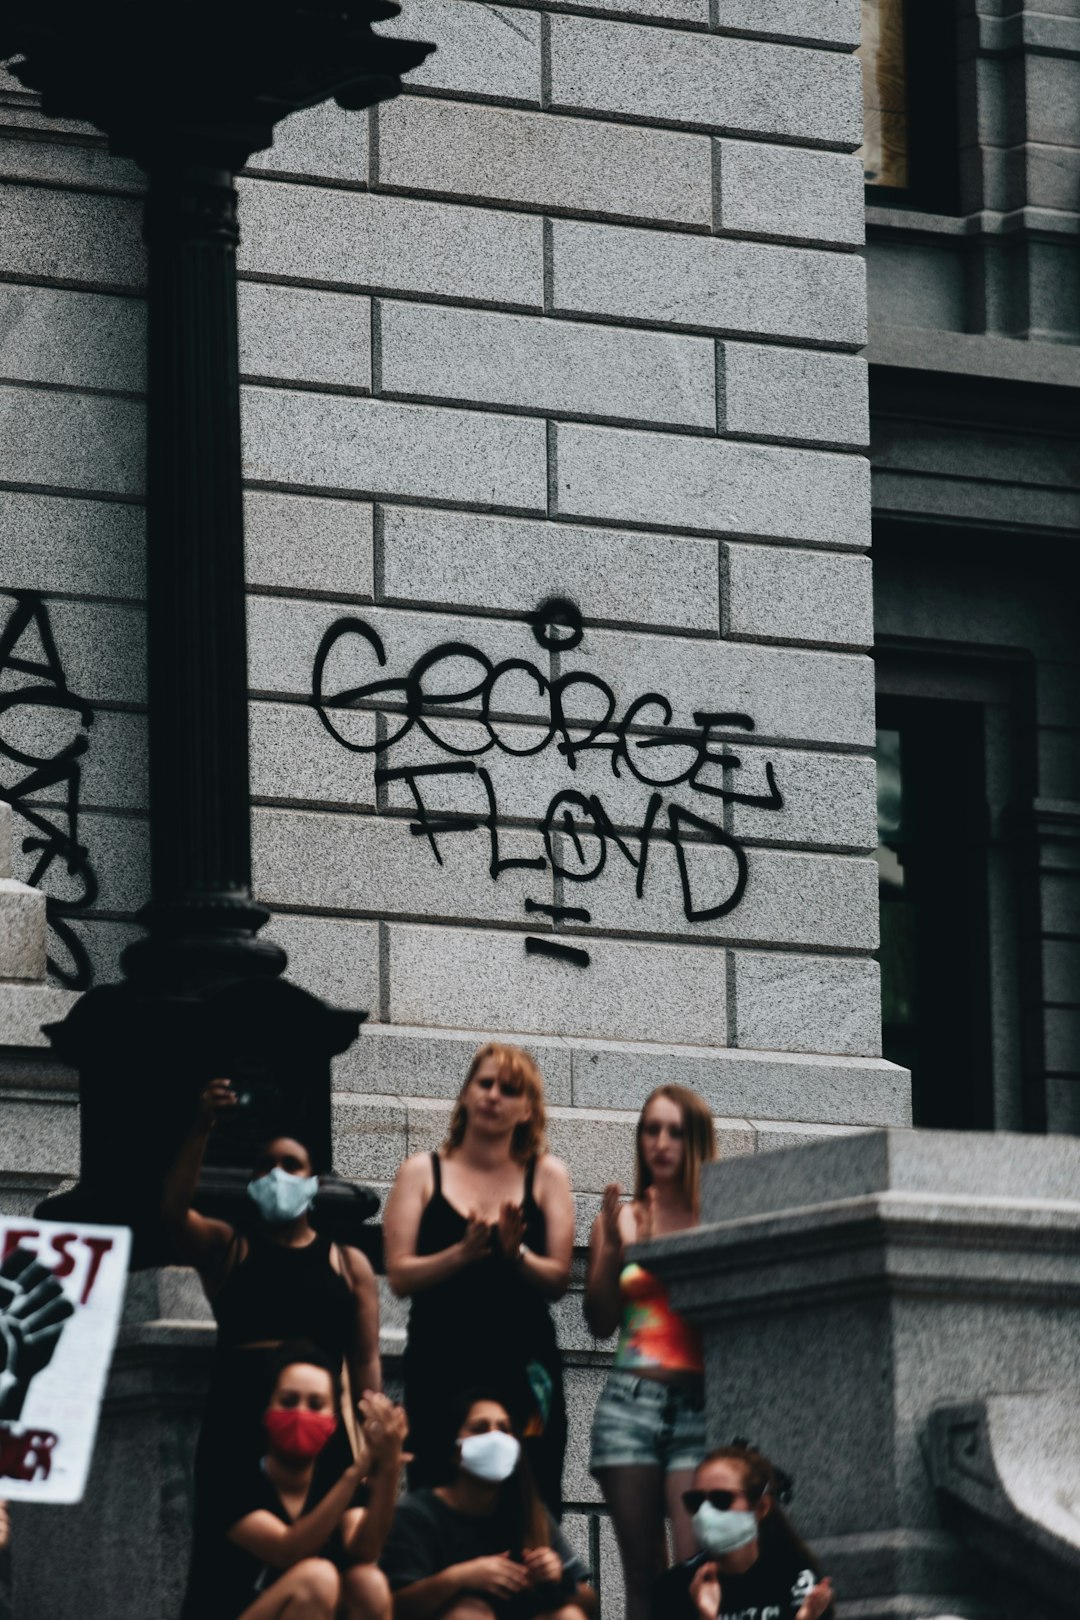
x,y
297,1433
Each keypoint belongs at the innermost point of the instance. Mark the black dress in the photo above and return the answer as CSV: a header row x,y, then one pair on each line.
x,y
274,1294
485,1326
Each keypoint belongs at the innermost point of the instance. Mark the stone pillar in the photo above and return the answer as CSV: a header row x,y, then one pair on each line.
x,y
850,1288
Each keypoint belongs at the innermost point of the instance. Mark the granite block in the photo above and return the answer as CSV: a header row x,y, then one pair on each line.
x,y
773,594
790,898
303,543
934,1164
524,783
532,160
743,87
374,866
22,928
72,441
6,822
119,850
790,193
294,759
751,289
336,958
760,1085
630,990
114,770
58,543
104,942
794,394
712,485
583,1388
397,1060
325,142
776,1135
77,339
538,364
819,22
40,1136
348,239
297,334
829,799
596,1146
342,445
461,560
67,164
73,237
687,13
428,1120
789,1003
801,696
284,637
492,52
370,1137
102,649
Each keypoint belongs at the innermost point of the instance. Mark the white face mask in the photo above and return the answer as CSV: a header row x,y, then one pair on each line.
x,y
720,1532
492,1456
281,1197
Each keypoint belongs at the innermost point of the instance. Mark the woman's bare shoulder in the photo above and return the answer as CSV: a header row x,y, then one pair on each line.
x,y
551,1172
415,1172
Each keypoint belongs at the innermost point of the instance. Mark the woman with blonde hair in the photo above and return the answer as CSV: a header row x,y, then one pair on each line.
x,y
479,1237
649,1430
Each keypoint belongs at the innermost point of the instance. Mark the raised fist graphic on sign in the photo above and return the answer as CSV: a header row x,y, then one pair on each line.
x,y
33,1310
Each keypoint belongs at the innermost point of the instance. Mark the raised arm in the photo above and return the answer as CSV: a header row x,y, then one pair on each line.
x,y
266,1538
408,1272
365,1368
603,1304
198,1239
365,1529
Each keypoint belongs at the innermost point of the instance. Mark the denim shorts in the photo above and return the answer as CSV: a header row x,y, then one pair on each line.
x,y
642,1423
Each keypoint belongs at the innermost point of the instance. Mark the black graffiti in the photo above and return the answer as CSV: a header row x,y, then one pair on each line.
x,y
32,680
577,833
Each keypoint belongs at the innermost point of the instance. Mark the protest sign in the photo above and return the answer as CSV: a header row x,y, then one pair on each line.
x,y
61,1293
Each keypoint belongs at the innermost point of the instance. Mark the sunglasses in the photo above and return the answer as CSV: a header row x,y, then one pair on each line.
x,y
723,1501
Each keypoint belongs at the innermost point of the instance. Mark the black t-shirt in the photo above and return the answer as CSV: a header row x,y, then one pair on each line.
x,y
428,1536
224,1578
774,1588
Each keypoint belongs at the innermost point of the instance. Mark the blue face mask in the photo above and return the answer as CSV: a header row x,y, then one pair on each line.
x,y
719,1533
280,1197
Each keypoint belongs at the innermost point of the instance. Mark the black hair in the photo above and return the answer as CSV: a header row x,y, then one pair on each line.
x,y
527,1521
302,1353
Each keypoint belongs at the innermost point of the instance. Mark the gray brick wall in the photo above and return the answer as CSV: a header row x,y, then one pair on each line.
x,y
579,314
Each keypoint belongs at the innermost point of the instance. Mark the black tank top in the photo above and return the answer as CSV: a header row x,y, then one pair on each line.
x,y
277,1293
487,1313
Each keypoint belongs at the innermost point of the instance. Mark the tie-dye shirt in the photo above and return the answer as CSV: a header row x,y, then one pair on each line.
x,y
652,1333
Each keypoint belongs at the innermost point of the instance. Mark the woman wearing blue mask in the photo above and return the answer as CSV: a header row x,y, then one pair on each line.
x,y
751,1561
276,1281
483,1546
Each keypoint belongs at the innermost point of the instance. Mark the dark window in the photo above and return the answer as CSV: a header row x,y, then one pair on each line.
x,y
933,843
911,148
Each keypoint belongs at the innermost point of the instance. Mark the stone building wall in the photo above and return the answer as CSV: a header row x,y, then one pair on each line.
x,y
579,315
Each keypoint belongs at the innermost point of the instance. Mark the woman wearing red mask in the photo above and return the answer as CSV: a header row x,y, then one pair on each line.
x,y
285,1544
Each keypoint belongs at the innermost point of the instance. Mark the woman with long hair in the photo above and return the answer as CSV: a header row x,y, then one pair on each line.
x,y
479,1237
649,1430
285,1542
483,1546
750,1561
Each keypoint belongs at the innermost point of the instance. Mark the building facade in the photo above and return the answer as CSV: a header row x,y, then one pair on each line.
x,y
580,319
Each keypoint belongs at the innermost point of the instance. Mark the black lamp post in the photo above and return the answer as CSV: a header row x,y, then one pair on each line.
x,y
190,91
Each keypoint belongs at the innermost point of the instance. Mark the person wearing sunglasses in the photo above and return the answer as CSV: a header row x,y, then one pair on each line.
x,y
648,1433
750,1560
478,1236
